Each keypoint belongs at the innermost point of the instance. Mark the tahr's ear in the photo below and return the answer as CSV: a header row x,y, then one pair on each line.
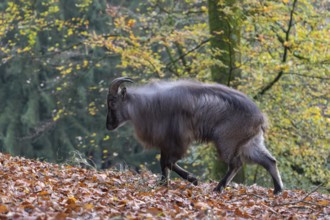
x,y
123,92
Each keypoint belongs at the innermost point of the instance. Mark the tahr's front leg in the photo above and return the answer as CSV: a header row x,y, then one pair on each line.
x,y
233,168
184,174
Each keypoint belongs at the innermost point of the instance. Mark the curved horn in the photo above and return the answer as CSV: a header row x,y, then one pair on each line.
x,y
114,85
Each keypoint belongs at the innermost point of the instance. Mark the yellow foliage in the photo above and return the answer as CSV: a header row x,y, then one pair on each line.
x,y
107,137
131,22
70,31
58,115
66,71
85,63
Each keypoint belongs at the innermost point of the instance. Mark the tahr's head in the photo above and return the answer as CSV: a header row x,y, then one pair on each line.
x,y
115,101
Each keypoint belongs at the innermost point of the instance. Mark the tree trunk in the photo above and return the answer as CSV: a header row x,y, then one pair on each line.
x,y
225,31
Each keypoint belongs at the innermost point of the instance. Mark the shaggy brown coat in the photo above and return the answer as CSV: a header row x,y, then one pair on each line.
x,y
171,115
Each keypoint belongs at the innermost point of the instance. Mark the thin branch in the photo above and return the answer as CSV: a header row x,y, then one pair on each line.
x,y
188,52
302,207
285,55
39,130
231,65
154,67
269,208
255,174
280,26
270,85
172,11
299,56
175,71
183,60
314,77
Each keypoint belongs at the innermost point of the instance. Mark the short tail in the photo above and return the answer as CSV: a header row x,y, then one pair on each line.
x,y
265,123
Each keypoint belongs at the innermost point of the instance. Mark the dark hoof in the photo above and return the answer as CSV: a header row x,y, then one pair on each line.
x,y
163,182
277,191
193,180
218,189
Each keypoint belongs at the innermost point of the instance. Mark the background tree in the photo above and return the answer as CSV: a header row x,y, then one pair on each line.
x,y
225,26
289,63
40,47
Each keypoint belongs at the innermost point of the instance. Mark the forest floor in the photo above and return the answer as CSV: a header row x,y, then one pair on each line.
x,y
31,189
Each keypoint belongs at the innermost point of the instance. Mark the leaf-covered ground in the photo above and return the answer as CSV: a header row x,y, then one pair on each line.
x,y
32,189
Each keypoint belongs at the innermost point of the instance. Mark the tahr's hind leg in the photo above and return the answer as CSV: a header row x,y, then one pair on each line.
x,y
269,163
256,152
165,164
233,167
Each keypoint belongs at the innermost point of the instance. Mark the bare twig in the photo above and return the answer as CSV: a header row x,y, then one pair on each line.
x,y
41,128
302,207
269,208
255,195
302,200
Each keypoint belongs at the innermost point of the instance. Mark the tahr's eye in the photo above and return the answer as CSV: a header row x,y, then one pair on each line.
x,y
112,101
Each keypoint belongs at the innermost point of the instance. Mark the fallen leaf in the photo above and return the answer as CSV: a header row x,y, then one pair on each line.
x,y
154,211
3,209
37,190
88,206
202,205
28,208
241,213
324,202
43,193
61,216
71,200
